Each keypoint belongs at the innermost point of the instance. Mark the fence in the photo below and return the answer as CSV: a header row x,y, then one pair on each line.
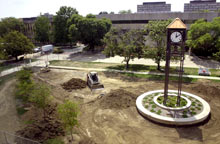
x,y
7,138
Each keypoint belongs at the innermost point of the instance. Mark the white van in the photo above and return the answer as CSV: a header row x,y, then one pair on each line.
x,y
47,48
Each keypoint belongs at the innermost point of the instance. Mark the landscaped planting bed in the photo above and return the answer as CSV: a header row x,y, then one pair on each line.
x,y
195,108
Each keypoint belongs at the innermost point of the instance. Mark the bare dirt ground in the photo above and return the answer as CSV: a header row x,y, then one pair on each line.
x,y
100,122
108,118
9,120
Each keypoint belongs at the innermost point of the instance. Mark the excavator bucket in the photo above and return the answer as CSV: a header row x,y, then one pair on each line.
x,y
93,81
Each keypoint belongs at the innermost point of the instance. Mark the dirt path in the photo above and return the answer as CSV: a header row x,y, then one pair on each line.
x,y
9,120
113,125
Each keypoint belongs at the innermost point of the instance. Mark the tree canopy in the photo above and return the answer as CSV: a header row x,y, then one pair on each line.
x,y
10,24
127,44
203,37
68,113
157,33
88,30
125,11
15,44
42,29
60,27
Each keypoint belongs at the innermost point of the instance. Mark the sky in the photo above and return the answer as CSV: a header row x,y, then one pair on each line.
x,y
33,8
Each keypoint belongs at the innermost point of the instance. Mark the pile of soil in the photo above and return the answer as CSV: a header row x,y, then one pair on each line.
x,y
118,99
73,84
40,130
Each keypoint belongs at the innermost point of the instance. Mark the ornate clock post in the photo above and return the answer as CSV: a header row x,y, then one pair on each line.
x,y
176,36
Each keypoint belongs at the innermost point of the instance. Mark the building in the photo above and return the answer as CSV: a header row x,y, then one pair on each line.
x,y
202,5
139,20
29,25
151,7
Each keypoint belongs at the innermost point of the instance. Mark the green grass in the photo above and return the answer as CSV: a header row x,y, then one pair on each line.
x,y
160,77
4,66
6,78
136,68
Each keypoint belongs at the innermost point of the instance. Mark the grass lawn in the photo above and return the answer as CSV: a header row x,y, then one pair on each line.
x,y
4,79
9,65
132,67
160,78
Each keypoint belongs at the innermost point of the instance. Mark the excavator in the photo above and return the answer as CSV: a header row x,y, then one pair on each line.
x,y
93,81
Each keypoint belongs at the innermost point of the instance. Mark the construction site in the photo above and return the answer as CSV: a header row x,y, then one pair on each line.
x,y
108,114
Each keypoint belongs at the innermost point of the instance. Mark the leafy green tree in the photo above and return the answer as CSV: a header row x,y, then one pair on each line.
x,y
10,24
103,12
93,30
68,113
200,38
125,11
40,96
90,30
15,44
129,44
60,27
90,16
157,33
24,86
42,29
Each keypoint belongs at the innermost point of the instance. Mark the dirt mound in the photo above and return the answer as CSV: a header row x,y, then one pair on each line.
x,y
207,90
40,130
118,99
73,84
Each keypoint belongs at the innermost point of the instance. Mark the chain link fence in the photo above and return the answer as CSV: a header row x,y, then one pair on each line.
x,y
7,138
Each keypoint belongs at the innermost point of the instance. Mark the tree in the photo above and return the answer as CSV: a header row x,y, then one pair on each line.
x,y
90,16
125,11
24,86
40,96
10,24
129,44
157,33
90,29
15,44
103,12
203,38
60,27
42,29
68,113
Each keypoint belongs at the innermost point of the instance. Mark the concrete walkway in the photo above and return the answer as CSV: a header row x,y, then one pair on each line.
x,y
124,71
15,69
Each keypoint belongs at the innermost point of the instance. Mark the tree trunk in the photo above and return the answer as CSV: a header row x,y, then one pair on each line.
x,y
71,134
16,58
158,65
127,64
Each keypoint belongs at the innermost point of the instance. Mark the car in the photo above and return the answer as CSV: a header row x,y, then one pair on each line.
x,y
37,49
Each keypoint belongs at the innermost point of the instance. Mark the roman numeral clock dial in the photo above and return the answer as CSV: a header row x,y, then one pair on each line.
x,y
176,37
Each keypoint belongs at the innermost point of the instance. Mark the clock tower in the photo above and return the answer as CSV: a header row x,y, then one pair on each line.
x,y
176,36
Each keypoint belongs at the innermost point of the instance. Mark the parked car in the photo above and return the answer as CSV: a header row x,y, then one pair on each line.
x,y
37,49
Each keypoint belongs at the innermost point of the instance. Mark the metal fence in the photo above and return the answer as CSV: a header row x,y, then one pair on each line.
x,y
7,138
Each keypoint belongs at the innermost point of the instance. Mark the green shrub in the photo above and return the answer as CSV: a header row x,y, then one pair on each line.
x,y
154,106
152,110
146,106
57,51
21,110
159,112
172,101
185,116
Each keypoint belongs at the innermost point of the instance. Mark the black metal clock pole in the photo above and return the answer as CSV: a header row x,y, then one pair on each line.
x,y
176,36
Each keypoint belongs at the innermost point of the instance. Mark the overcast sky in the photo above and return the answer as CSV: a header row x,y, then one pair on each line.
x,y
32,8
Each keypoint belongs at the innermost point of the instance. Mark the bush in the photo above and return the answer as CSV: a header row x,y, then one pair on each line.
x,y
57,51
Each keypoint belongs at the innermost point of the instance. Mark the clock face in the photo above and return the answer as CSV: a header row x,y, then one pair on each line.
x,y
176,37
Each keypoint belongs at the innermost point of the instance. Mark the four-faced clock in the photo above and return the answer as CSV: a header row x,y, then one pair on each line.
x,y
176,37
